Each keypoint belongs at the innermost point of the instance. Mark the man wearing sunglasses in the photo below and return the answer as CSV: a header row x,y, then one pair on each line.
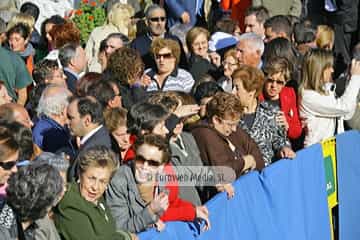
x,y
156,24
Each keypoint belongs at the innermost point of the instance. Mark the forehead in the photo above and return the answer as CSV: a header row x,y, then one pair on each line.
x,y
164,50
98,172
251,19
157,13
149,152
244,45
72,108
114,41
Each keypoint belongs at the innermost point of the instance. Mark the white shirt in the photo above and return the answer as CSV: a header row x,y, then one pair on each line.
x,y
87,136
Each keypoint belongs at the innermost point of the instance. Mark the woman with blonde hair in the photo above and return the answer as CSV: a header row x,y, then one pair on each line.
x,y
118,20
321,111
325,37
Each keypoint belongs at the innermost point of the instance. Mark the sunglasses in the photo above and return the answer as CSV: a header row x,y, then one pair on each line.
x,y
7,165
165,56
141,160
157,19
279,82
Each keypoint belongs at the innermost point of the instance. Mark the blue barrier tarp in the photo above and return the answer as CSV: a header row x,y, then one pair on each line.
x,y
286,201
348,166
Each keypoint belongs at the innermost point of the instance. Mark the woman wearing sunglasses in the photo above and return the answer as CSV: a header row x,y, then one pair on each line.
x,y
282,99
139,199
259,120
167,76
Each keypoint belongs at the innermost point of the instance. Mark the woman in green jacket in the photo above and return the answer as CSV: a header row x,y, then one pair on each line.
x,y
82,213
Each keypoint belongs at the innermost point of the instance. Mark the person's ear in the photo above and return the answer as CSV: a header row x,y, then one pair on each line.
x,y
87,120
215,119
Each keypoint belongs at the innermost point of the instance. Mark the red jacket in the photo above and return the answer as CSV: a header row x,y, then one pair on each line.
x,y
238,8
288,104
178,210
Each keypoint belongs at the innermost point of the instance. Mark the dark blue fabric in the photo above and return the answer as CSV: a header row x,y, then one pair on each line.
x,y
286,201
348,167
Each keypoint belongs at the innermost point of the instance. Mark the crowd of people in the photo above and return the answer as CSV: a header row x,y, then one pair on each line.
x,y
162,88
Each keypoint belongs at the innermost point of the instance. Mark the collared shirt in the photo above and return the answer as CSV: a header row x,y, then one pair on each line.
x,y
87,136
179,80
72,72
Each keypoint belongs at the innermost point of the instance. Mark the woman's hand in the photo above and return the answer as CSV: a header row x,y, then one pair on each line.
x,y
187,110
249,163
203,214
228,188
287,152
215,58
159,204
281,120
145,80
355,67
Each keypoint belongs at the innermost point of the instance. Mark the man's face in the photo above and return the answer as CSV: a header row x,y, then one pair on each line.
x,y
252,25
58,77
112,44
247,54
75,122
79,60
156,22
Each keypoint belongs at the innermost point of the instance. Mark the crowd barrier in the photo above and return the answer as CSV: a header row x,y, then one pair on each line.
x,y
287,200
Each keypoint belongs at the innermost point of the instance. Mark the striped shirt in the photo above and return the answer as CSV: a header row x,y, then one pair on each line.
x,y
179,80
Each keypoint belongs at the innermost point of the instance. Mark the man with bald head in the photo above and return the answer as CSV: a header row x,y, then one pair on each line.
x,y
13,112
50,133
250,49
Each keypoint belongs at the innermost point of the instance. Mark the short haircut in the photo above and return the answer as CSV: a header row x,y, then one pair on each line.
x,y
33,190
160,43
279,23
103,92
304,32
7,112
114,118
125,40
30,9
126,65
21,29
155,141
55,160
23,136
97,156
226,25
85,83
169,99
8,144
44,70
145,116
278,65
152,8
67,52
53,104
254,40
280,47
205,90
260,12
251,78
193,33
224,105
90,106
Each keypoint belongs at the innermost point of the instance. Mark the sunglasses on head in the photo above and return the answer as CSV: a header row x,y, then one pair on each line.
x,y
157,19
165,55
279,82
7,165
141,160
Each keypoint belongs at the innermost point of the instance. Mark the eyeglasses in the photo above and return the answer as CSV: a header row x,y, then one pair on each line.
x,y
165,56
279,82
141,160
7,165
157,19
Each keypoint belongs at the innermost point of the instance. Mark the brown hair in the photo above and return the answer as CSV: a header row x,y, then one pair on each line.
x,y
251,78
65,33
114,118
85,82
161,43
224,105
278,65
8,145
193,34
156,141
126,65
169,99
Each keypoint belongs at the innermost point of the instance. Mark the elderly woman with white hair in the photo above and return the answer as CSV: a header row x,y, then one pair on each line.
x,y
118,21
50,132
250,49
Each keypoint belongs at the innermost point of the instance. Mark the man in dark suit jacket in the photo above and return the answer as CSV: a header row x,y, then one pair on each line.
x,y
85,117
73,60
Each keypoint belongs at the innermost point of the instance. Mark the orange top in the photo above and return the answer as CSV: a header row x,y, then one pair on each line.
x,y
238,8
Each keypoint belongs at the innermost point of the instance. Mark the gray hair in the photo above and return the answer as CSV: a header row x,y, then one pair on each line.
x,y
152,8
55,160
125,40
53,104
66,53
254,39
